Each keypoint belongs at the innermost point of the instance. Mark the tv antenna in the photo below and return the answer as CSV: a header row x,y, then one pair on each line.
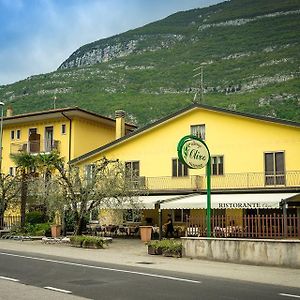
x,y
201,100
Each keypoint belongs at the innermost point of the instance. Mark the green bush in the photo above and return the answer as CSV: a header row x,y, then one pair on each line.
x,y
87,241
35,217
167,247
38,229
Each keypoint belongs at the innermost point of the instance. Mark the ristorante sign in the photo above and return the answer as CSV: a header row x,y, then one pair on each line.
x,y
244,205
193,152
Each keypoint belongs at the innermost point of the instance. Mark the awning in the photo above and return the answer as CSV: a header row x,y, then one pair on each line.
x,y
227,201
138,202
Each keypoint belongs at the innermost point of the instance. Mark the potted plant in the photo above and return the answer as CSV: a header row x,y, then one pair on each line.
x,y
93,242
76,240
154,247
172,248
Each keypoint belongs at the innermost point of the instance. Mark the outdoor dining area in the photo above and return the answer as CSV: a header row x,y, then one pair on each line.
x,y
129,230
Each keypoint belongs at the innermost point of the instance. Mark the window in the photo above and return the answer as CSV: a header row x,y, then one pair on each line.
x,y
198,131
274,168
12,135
63,129
181,215
89,172
178,168
132,215
132,169
11,171
18,134
217,165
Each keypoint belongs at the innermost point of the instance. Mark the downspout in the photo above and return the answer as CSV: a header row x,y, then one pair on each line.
x,y
70,134
64,227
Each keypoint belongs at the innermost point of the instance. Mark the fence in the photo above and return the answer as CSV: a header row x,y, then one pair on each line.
x,y
257,226
7,223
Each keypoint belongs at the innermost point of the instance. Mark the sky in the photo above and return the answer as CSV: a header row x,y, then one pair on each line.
x,y
36,36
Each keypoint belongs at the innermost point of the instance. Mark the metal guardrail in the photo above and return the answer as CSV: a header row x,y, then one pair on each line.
x,y
291,179
34,146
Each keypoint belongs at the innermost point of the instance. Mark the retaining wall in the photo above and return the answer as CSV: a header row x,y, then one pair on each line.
x,y
284,253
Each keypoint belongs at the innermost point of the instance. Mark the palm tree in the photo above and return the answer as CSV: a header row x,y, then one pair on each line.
x,y
26,166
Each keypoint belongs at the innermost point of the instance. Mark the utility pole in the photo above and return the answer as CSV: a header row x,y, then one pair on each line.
x,y
201,82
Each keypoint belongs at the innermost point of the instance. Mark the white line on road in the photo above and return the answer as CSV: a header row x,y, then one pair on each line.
x,y
8,278
57,290
289,295
103,268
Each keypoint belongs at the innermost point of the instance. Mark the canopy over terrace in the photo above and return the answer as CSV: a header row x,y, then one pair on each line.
x,y
226,201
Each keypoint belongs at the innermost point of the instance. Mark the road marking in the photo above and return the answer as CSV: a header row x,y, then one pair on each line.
x,y
57,290
103,268
289,295
8,278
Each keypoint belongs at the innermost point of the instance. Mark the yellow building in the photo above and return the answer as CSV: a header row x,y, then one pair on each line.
x,y
70,131
255,162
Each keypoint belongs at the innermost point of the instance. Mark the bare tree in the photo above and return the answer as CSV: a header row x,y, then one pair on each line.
x,y
102,184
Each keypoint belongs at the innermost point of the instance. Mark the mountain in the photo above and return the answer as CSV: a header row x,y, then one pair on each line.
x,y
247,52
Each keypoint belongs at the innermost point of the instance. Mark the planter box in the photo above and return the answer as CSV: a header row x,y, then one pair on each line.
x,y
154,251
171,254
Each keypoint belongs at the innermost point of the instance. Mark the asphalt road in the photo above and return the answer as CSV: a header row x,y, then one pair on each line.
x,y
107,281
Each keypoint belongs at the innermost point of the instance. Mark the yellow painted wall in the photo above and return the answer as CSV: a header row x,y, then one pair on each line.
x,y
57,135
86,136
89,135
242,141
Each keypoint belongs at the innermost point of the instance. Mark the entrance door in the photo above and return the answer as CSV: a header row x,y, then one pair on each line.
x,y
274,168
48,138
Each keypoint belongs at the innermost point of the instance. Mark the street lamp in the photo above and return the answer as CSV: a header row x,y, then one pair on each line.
x,y
1,133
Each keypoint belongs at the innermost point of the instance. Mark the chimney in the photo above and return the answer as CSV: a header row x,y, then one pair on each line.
x,y
120,123
9,111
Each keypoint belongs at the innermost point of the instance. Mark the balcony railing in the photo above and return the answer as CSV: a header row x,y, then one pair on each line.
x,y
35,146
232,181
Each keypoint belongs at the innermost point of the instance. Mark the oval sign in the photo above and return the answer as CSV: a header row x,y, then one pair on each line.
x,y
193,152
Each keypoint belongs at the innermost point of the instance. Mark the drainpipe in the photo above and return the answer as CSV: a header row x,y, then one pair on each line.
x,y
70,135
64,228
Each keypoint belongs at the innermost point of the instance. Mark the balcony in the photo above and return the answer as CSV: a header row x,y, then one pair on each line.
x,y
290,181
37,146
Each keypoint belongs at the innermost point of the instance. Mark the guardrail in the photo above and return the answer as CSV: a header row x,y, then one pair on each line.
x,y
34,146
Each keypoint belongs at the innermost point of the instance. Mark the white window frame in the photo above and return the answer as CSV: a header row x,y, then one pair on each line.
x,y
199,131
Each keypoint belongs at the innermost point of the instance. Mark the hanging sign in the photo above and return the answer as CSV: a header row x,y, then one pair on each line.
x,y
193,152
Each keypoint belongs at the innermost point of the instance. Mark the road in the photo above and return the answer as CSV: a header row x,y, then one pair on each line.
x,y
94,280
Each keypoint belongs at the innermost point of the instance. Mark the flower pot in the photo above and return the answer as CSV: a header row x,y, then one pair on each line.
x,y
145,232
55,230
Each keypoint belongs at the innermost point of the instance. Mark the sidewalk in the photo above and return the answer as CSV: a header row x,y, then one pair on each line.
x,y
132,252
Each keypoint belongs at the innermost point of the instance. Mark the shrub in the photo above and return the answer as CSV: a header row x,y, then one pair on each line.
x,y
35,217
38,229
87,241
166,247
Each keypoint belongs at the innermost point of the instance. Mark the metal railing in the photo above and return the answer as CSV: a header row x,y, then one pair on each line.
x,y
7,223
273,226
35,146
229,181
191,183
254,180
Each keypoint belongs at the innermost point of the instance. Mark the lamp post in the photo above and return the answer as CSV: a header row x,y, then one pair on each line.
x,y
1,133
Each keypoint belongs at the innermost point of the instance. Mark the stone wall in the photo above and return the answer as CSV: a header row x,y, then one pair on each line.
x,y
284,253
